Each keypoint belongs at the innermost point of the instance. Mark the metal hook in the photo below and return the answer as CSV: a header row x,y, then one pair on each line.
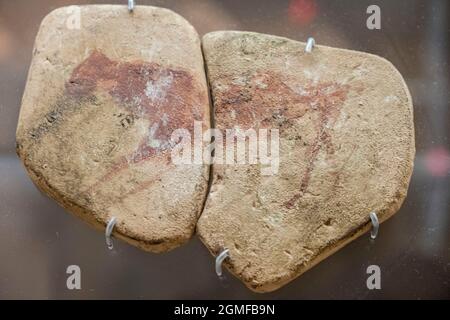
x,y
375,225
130,5
219,260
108,232
310,44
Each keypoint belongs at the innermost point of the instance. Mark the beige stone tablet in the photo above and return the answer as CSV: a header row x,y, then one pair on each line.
x,y
106,89
346,148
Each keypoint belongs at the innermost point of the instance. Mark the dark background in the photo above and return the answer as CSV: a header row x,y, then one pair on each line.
x,y
38,239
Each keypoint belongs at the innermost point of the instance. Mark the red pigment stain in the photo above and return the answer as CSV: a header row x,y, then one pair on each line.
x,y
264,100
259,101
142,186
328,99
167,98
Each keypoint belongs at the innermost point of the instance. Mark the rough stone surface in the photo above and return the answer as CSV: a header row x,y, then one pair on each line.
x,y
346,149
97,115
